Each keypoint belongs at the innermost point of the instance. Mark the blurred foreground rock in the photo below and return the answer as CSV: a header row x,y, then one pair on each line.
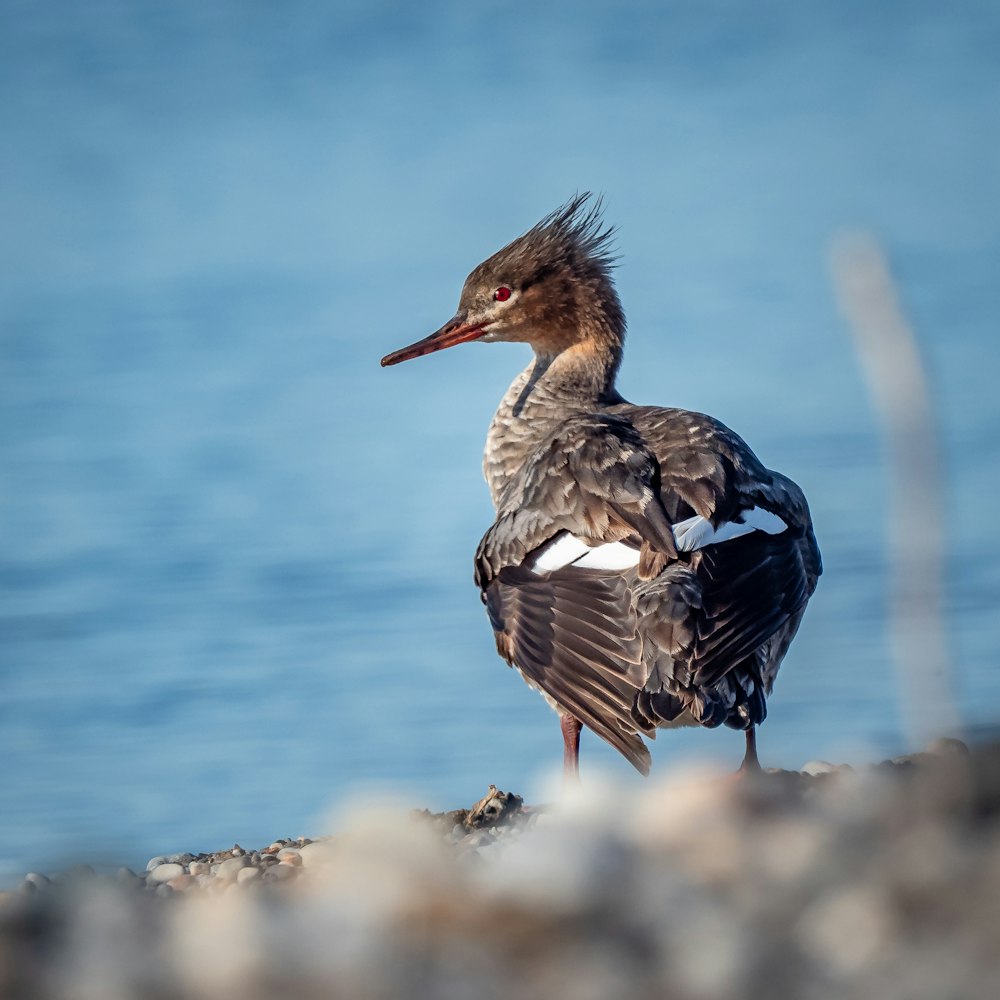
x,y
877,883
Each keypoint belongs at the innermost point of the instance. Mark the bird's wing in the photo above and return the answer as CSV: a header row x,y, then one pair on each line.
x,y
748,561
572,634
557,566
704,620
595,481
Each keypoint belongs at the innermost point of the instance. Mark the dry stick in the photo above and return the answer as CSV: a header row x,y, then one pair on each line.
x,y
893,367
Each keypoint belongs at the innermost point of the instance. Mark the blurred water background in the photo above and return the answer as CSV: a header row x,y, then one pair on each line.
x,y
235,574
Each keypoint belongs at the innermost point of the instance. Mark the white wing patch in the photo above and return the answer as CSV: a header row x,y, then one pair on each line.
x,y
690,535
697,532
612,555
566,548
561,551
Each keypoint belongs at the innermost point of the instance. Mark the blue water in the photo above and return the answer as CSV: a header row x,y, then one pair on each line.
x,y
235,575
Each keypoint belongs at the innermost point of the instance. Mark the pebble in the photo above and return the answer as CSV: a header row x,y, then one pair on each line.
x,y
815,767
128,878
818,886
231,868
280,861
165,871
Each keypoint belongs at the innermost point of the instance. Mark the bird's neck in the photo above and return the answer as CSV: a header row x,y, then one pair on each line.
x,y
551,388
581,375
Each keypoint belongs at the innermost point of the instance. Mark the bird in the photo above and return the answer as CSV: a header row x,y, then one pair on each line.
x,y
645,570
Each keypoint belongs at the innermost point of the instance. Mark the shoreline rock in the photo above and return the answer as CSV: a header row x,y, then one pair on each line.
x,y
876,881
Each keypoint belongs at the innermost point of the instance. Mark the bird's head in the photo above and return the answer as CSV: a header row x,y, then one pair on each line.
x,y
550,288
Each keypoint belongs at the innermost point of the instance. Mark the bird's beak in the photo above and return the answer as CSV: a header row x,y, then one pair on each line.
x,y
455,331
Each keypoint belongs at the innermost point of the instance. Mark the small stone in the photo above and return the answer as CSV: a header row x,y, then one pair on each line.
x,y
164,890
294,860
181,858
155,862
237,851
280,873
199,868
181,882
494,808
229,870
288,852
247,875
815,767
165,872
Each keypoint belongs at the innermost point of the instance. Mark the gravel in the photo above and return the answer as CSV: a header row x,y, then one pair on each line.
x,y
881,881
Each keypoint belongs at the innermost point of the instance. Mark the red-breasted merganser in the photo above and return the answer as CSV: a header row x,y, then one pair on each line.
x,y
644,570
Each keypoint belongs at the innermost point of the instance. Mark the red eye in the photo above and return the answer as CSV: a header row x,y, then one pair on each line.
x,y
502,294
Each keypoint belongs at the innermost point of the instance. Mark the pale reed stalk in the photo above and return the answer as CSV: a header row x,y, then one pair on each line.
x,y
891,362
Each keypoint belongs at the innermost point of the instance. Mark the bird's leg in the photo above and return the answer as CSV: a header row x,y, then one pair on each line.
x,y
751,763
571,747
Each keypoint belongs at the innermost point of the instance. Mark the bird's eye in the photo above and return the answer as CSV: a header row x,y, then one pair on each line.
x,y
502,294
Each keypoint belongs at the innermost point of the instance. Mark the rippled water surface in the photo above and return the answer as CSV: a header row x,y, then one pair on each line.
x,y
235,579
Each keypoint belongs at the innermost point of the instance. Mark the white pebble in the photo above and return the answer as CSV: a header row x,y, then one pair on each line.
x,y
165,872
230,869
815,767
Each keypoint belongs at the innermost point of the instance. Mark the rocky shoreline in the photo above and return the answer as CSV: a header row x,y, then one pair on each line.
x,y
881,881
